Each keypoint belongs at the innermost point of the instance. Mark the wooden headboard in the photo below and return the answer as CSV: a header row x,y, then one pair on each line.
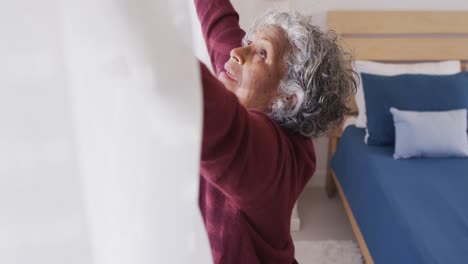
x,y
402,36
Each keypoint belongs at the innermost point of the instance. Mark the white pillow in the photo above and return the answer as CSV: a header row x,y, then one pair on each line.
x,y
391,69
430,134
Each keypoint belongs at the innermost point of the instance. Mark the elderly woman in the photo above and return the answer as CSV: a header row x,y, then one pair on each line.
x,y
277,86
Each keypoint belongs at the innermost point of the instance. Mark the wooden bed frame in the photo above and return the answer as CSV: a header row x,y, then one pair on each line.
x,y
394,36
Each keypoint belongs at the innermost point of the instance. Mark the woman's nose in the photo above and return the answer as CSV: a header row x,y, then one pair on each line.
x,y
238,54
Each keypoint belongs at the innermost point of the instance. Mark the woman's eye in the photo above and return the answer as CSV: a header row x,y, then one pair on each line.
x,y
262,53
249,42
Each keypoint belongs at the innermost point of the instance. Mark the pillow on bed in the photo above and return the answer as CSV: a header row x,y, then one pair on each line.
x,y
430,134
413,92
392,69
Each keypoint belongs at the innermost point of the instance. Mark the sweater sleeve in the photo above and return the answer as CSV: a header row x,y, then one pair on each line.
x,y
220,26
242,151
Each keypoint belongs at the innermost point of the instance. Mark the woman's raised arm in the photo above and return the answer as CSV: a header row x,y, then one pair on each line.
x,y
220,26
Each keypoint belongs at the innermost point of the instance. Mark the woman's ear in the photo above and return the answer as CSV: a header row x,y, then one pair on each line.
x,y
292,101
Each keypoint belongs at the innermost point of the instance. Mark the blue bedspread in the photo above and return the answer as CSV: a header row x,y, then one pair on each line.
x,y
409,211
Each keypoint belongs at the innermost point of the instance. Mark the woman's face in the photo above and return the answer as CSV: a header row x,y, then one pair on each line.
x,y
255,70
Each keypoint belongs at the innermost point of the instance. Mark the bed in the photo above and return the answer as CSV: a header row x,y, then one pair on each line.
x,y
409,211
405,211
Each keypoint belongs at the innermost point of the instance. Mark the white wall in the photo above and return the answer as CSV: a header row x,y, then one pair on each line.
x,y
248,10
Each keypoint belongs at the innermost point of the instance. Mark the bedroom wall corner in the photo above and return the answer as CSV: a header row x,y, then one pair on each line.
x,y
321,150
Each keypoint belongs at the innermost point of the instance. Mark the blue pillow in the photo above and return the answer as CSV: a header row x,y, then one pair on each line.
x,y
413,92
430,134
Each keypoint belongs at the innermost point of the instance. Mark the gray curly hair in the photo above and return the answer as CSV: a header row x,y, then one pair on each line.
x,y
319,73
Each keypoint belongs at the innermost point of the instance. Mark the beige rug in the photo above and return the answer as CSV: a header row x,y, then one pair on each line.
x,y
328,252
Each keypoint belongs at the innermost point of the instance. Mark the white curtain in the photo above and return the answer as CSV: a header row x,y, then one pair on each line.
x,y
100,113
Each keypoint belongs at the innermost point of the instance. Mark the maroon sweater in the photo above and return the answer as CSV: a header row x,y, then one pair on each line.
x,y
252,170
